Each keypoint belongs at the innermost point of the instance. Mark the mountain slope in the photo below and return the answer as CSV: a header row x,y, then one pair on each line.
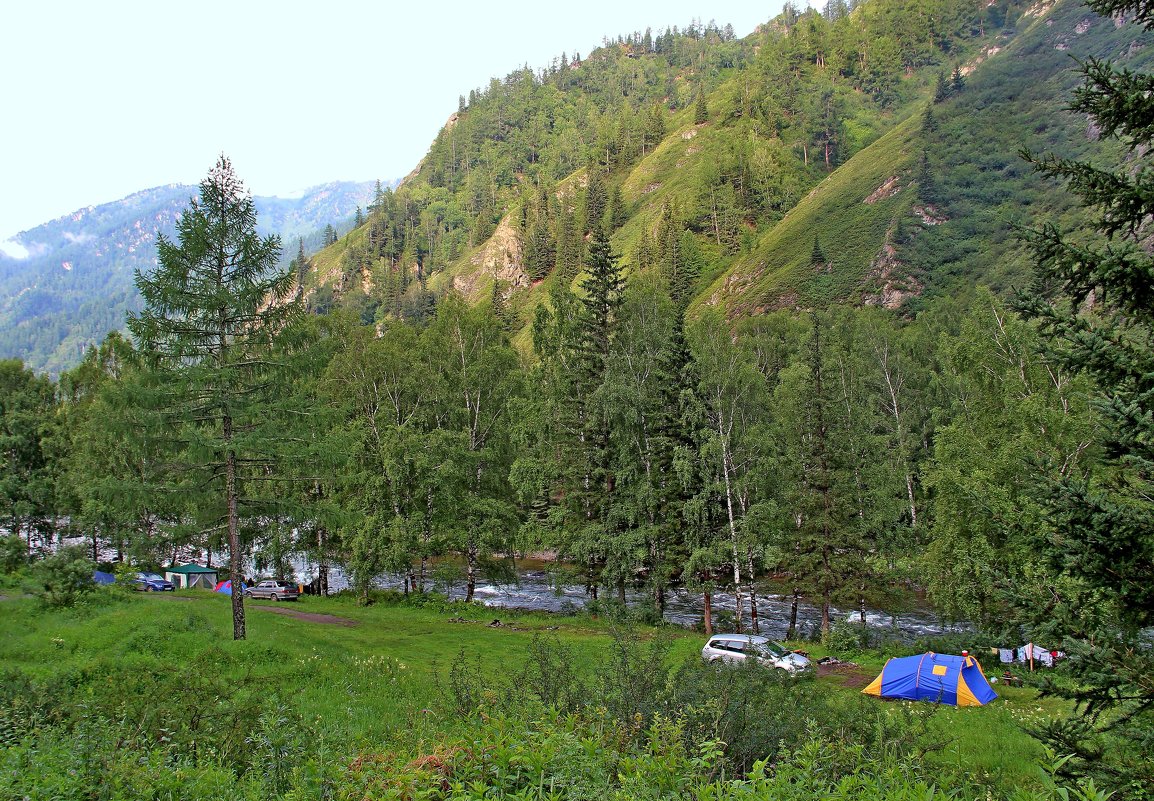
x,y
77,282
824,158
1013,100
849,220
934,202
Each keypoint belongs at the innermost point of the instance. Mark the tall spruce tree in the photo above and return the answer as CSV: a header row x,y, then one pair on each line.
x,y
640,395
828,549
597,325
596,199
1094,300
213,309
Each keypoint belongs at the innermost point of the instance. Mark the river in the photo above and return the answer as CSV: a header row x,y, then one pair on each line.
x,y
536,588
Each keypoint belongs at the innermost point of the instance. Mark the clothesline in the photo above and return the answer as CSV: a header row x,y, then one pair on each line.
x,y
1028,654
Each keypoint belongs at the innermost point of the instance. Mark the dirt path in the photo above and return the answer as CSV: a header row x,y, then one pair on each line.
x,y
850,674
311,617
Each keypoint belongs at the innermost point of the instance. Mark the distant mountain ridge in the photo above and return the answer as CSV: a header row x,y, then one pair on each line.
x,y
76,283
865,155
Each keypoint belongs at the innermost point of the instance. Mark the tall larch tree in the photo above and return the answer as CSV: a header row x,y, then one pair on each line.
x,y
826,558
213,309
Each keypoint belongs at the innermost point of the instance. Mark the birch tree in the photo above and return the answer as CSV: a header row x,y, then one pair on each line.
x,y
731,397
477,375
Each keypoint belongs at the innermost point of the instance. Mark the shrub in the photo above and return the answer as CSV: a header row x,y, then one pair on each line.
x,y
614,610
846,636
549,676
13,553
65,577
630,682
466,685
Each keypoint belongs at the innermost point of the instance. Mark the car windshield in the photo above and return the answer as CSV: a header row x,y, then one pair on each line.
x,y
152,577
773,649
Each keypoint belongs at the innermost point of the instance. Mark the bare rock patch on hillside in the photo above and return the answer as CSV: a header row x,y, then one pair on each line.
x,y
887,190
930,214
500,259
893,284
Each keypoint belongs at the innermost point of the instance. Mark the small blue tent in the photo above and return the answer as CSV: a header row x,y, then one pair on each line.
x,y
941,678
226,587
100,577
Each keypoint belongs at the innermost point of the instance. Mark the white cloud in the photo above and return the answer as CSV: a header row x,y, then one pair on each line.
x,y
14,250
296,194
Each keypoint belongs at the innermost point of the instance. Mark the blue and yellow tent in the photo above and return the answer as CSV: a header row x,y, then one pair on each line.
x,y
941,678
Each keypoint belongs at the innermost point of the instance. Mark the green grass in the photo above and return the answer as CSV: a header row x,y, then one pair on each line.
x,y
851,222
382,686
989,740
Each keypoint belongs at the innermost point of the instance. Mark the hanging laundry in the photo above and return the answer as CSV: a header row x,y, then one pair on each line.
x,y
1006,655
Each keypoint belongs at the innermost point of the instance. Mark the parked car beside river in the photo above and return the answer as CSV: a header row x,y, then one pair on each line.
x,y
273,590
735,648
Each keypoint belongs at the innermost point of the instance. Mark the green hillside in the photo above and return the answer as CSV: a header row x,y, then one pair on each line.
x,y
852,217
1013,100
867,156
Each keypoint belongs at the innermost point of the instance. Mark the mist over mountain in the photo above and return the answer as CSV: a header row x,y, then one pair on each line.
x,y
75,282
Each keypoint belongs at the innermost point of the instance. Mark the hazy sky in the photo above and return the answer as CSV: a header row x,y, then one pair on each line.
x,y
101,99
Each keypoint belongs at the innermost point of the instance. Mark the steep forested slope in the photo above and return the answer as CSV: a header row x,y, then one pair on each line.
x,y
936,201
867,156
972,170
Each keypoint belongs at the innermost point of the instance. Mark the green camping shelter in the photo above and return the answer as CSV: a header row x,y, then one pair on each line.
x,y
188,576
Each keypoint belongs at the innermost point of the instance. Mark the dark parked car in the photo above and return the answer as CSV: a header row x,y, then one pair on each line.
x,y
273,590
151,582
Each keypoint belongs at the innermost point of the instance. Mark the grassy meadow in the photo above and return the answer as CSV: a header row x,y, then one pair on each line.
x,y
146,696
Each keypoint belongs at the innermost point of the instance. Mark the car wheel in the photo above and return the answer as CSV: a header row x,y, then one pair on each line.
x,y
274,597
247,594
147,588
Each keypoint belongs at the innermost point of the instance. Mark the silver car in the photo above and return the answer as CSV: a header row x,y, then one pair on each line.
x,y
273,590
739,647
